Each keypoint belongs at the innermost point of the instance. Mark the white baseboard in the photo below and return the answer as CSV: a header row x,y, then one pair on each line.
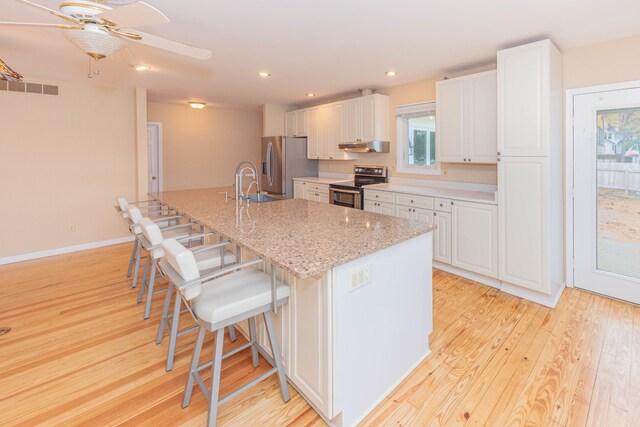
x,y
485,280
537,297
65,250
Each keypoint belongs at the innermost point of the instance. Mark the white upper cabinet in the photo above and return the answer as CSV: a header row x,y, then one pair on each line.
x,y
529,78
367,119
324,142
313,136
466,119
290,123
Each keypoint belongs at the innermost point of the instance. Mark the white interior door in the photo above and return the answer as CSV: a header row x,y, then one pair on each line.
x,y
607,193
154,147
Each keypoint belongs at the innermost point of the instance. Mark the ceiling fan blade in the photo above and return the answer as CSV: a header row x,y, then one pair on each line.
x,y
36,24
133,15
51,11
171,46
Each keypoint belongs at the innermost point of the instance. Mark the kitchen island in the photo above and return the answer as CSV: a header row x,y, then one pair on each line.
x,y
360,312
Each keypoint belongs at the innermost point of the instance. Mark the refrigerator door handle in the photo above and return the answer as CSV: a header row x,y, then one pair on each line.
x,y
270,163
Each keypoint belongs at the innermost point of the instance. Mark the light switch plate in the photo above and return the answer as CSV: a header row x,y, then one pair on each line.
x,y
360,276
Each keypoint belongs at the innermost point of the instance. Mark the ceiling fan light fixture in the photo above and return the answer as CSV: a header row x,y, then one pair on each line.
x,y
96,43
197,105
6,73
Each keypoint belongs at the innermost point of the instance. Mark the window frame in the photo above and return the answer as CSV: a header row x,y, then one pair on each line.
x,y
403,114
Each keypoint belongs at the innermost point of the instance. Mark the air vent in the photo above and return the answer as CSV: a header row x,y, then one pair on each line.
x,y
37,88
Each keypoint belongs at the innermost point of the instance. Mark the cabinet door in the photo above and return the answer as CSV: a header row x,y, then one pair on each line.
x,y
404,212
299,190
311,344
474,237
337,131
313,135
451,138
387,208
302,119
523,202
523,100
324,140
442,237
352,119
290,123
482,118
423,215
370,206
368,120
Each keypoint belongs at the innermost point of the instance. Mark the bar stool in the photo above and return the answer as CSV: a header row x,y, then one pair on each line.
x,y
134,215
150,239
236,294
208,258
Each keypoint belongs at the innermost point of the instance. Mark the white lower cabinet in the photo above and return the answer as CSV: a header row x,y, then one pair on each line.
x,y
311,191
299,190
474,237
442,237
380,207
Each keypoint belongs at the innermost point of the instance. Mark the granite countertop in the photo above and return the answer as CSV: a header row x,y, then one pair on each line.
x,y
447,193
305,237
321,180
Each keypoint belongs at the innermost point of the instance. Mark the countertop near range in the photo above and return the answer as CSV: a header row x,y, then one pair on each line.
x,y
447,193
320,180
305,237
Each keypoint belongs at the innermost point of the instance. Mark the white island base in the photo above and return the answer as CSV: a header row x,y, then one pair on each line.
x,y
346,349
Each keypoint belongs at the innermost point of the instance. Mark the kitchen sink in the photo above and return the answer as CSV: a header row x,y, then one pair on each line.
x,y
261,198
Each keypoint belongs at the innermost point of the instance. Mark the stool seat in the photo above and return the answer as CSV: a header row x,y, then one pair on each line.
x,y
235,294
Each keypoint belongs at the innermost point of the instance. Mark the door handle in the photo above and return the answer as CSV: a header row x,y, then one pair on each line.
x,y
269,165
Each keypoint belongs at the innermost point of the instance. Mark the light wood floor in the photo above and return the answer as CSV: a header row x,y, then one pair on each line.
x,y
80,353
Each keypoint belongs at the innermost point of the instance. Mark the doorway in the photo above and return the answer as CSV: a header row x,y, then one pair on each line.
x,y
154,150
606,191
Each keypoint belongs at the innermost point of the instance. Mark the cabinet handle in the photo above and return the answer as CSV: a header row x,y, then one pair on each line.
x,y
452,203
469,160
376,196
499,153
441,205
464,159
434,214
411,201
498,158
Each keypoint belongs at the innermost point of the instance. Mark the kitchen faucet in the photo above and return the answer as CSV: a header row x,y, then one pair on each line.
x,y
240,173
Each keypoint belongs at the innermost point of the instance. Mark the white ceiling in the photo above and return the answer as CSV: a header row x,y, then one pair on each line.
x,y
330,47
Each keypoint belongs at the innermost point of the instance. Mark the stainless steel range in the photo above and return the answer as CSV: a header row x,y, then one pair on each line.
x,y
351,194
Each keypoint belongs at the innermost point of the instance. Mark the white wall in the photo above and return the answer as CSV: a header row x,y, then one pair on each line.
x,y
63,161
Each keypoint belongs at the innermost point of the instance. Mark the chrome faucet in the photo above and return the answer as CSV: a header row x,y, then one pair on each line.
x,y
240,174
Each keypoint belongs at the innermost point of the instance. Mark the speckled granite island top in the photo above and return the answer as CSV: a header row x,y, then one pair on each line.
x,y
305,237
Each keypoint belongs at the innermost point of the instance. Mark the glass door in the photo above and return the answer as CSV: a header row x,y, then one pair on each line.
x,y
607,193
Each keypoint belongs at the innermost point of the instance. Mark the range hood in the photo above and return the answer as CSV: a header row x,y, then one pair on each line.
x,y
365,147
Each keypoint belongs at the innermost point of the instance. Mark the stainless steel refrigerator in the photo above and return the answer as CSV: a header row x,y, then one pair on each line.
x,y
284,158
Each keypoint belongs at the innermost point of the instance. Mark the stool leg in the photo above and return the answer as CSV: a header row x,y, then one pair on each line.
x,y
165,313
132,258
232,334
215,381
253,337
144,279
195,360
174,331
275,350
137,266
152,279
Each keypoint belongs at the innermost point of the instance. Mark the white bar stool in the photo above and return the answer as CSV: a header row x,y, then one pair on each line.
x,y
208,259
150,239
134,215
236,294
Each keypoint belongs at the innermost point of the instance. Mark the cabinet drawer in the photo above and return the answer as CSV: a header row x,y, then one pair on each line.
x,y
442,205
379,196
320,188
414,201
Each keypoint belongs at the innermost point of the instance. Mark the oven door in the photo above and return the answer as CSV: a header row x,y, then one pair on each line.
x,y
348,198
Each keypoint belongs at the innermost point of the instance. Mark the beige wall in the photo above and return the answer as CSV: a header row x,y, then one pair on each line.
x,y
63,161
420,91
612,61
201,148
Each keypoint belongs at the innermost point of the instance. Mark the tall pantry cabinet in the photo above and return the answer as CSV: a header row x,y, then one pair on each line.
x,y
530,170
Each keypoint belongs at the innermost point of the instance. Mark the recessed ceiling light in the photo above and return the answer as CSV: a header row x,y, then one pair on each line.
x,y
431,117
311,95
142,67
264,74
197,105
391,73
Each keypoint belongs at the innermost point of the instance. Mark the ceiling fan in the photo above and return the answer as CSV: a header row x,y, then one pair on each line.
x,y
101,31
6,73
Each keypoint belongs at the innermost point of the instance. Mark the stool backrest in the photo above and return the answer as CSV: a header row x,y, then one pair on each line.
x,y
122,203
134,214
184,263
151,231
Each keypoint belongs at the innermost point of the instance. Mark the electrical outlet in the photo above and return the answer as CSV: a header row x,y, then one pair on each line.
x,y
71,228
360,277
